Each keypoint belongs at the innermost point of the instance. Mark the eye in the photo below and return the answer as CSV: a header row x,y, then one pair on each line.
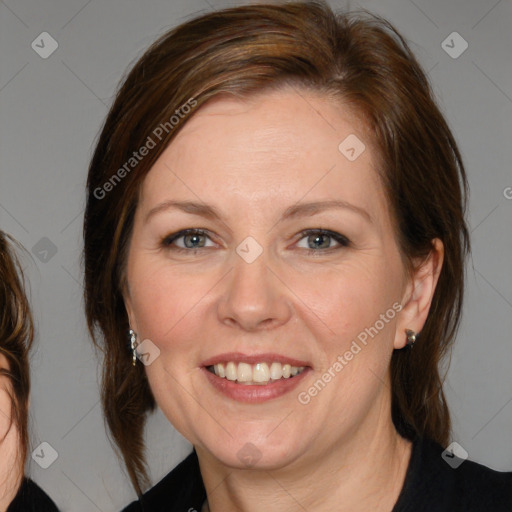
x,y
192,239
318,240
321,239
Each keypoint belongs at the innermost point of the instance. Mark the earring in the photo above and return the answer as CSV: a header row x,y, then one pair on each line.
x,y
411,337
133,344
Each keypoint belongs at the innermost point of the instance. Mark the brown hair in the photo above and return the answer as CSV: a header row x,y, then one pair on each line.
x,y
357,58
16,337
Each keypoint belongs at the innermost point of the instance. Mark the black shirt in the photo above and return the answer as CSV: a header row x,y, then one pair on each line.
x,y
31,498
431,485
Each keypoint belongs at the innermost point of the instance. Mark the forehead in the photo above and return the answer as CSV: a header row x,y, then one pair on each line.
x,y
272,148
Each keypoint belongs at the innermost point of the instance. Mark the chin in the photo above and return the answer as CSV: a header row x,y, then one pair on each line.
x,y
253,451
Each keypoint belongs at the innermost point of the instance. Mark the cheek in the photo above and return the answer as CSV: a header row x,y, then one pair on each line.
x,y
160,297
5,407
356,303
352,298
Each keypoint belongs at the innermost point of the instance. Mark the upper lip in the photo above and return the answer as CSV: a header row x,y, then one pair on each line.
x,y
267,357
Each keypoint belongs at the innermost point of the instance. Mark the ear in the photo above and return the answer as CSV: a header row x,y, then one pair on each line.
x,y
419,291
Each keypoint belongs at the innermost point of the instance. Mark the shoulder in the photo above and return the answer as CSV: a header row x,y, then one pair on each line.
x,y
439,480
180,490
31,498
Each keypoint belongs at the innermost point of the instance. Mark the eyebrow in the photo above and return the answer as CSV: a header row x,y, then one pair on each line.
x,y
297,210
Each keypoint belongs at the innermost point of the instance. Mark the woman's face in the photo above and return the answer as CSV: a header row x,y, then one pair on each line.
x,y
254,293
10,465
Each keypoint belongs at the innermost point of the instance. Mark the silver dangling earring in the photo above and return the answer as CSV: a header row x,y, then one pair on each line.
x,y
133,345
411,337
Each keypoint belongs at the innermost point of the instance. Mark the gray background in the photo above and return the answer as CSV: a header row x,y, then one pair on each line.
x,y
51,111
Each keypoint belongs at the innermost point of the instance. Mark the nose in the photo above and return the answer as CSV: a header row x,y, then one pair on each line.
x,y
254,297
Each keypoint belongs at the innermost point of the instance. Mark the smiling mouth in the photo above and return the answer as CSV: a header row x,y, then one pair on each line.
x,y
255,374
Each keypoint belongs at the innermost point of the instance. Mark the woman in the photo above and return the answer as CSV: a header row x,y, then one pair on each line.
x,y
274,254
18,493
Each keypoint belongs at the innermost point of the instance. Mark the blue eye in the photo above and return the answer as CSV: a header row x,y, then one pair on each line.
x,y
318,237
320,240
192,239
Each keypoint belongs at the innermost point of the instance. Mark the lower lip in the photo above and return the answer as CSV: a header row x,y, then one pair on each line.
x,y
254,393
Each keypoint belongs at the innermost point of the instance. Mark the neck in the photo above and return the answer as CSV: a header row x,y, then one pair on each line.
x,y
363,471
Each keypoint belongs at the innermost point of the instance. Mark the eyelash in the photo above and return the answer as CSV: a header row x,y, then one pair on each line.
x,y
341,239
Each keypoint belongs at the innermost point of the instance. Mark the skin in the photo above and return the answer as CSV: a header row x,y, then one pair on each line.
x,y
10,468
253,159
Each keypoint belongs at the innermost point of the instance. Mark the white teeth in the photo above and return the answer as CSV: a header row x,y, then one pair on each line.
x,y
276,371
260,373
231,371
244,372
